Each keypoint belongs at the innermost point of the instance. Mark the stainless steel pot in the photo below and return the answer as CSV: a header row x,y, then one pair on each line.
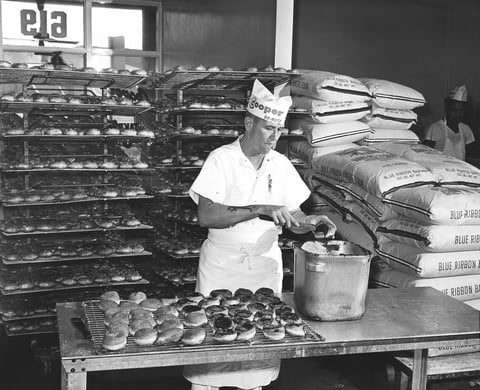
x,y
331,286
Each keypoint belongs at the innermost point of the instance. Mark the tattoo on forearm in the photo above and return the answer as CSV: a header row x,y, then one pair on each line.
x,y
234,209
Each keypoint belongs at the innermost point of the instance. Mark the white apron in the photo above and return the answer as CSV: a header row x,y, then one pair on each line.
x,y
454,144
233,259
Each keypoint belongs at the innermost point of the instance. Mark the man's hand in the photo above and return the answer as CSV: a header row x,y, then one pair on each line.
x,y
318,220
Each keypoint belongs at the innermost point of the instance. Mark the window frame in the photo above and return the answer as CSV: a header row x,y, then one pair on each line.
x,y
88,51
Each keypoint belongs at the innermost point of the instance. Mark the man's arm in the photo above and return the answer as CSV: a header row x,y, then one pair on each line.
x,y
220,216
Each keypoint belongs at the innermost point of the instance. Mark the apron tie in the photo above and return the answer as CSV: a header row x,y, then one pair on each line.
x,y
245,256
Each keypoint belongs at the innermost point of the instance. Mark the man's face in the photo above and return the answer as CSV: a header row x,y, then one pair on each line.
x,y
454,111
265,134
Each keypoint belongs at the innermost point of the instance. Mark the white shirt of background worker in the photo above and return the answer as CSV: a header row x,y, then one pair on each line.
x,y
450,135
238,183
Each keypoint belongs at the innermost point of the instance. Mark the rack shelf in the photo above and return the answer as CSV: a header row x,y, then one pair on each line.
x,y
68,78
37,233
57,259
221,80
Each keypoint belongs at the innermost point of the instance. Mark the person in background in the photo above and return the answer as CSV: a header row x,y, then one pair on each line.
x,y
239,183
450,135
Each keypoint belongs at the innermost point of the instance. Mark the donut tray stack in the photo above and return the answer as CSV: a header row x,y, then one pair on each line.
x,y
97,329
72,195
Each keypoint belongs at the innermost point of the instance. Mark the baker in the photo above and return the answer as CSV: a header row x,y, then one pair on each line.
x,y
450,135
239,183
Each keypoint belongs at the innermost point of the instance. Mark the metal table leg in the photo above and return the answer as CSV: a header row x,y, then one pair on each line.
x,y
419,375
74,380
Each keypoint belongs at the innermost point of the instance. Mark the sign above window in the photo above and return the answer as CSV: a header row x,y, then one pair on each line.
x,y
42,23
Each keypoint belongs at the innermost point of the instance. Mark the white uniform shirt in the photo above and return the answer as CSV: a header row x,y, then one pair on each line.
x,y
449,142
229,178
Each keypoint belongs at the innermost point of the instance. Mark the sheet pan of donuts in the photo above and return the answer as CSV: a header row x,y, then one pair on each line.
x,y
214,77
79,163
83,131
48,66
178,275
220,318
69,100
183,245
40,251
210,103
23,279
14,197
64,224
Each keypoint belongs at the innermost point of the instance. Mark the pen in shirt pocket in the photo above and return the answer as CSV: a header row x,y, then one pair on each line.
x,y
270,184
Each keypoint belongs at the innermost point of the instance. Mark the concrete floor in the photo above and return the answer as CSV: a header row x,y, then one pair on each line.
x,y
19,370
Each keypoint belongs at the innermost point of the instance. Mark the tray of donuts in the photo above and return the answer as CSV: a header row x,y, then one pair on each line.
x,y
31,326
171,323
24,280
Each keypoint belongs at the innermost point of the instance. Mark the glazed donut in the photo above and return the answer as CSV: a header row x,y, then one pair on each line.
x,y
216,309
137,297
163,311
128,306
118,317
75,165
187,309
106,304
204,303
194,336
108,313
162,317
222,293
264,291
129,132
221,335
274,332
169,324
243,315
15,132
195,319
117,326
20,65
93,132
290,319
140,312
69,282
143,103
90,165
23,98
151,304
140,165
222,322
74,100
15,199
232,309
84,281
5,64
8,98
256,306
105,251
295,329
183,302
243,293
136,325
112,296
283,310
112,131
265,321
246,330
145,336
114,341
168,336
146,134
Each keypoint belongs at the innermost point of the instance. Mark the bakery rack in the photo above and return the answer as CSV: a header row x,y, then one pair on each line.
x,y
89,111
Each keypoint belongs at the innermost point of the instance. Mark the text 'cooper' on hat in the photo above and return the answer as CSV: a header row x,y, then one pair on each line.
x,y
265,105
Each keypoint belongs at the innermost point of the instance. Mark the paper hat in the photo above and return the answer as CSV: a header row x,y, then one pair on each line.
x,y
265,105
459,94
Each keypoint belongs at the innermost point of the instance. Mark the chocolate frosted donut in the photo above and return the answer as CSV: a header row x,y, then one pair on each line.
x,y
169,336
222,293
224,335
194,336
245,330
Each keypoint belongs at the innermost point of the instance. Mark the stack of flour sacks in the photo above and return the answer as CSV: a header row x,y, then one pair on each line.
x,y
419,208
341,111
